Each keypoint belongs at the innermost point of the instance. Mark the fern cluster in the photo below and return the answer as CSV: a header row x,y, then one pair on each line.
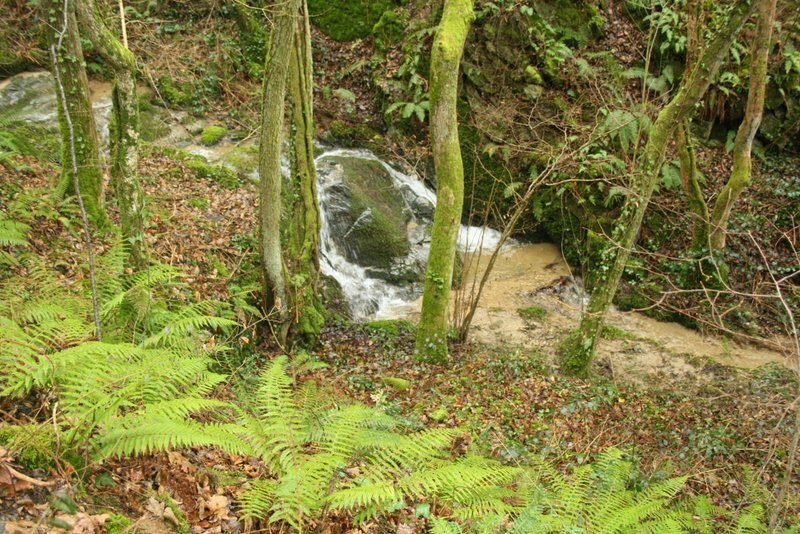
x,y
152,365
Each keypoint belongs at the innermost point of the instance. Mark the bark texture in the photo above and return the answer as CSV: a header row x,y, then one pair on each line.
x,y
124,129
276,68
683,136
579,348
69,55
743,145
302,258
448,47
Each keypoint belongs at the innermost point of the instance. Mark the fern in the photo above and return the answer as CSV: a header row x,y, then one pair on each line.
x,y
350,457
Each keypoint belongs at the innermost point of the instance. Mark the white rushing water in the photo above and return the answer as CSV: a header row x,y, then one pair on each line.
x,y
367,296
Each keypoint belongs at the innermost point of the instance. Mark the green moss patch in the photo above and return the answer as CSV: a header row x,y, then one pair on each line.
x,y
212,135
216,173
347,20
533,313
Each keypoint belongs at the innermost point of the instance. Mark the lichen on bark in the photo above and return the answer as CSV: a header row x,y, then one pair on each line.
x,y
302,241
276,68
72,73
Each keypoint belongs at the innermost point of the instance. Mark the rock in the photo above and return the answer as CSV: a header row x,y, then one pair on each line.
x,y
533,92
367,214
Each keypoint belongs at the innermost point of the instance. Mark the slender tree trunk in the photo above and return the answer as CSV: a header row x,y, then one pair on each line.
x,y
124,129
691,185
687,155
303,206
743,145
276,68
579,348
448,46
69,55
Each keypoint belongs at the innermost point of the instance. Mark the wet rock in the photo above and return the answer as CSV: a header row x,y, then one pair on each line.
x,y
367,214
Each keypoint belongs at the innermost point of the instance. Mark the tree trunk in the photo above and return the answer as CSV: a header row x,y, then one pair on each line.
x,y
691,185
743,145
276,67
69,55
124,130
579,348
308,314
448,47
683,137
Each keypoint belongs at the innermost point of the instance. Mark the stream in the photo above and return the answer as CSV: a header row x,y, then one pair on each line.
x,y
375,225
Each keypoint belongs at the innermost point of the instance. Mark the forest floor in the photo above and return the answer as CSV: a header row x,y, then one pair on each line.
x,y
699,417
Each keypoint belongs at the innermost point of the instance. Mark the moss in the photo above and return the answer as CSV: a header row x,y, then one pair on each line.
x,y
376,218
533,313
574,355
350,136
400,384
390,28
199,202
311,319
171,92
118,524
613,333
212,135
347,20
389,327
243,159
216,173
32,445
182,525
151,126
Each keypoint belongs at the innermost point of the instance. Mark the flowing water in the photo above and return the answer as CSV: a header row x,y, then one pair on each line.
x,y
524,275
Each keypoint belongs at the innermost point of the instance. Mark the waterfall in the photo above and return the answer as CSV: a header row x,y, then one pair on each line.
x,y
369,296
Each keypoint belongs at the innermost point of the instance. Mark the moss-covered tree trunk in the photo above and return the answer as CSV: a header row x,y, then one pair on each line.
x,y
302,258
66,43
743,145
276,68
685,148
124,129
448,46
579,348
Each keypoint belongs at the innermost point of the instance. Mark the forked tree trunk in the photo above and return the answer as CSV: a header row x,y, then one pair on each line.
x,y
69,55
276,68
743,145
302,250
579,348
124,129
448,46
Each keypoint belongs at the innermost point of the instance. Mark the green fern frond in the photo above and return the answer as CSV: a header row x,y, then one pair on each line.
x,y
135,436
12,233
257,500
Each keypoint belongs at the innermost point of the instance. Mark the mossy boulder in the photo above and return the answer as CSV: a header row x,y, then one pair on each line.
x,y
243,160
172,92
216,173
390,28
367,213
211,135
152,121
347,20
